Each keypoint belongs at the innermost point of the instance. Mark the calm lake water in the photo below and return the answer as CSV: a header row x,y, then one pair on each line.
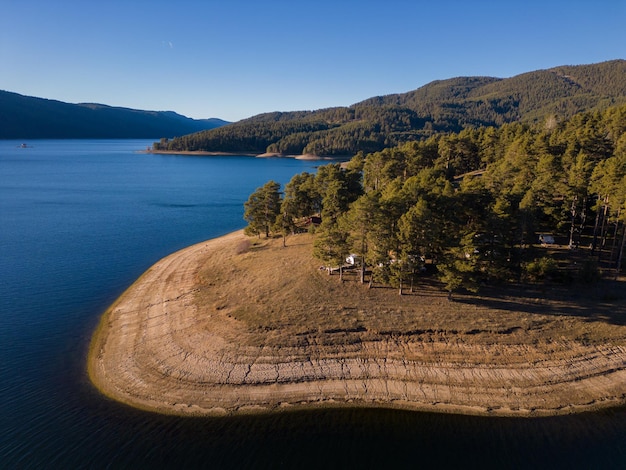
x,y
79,222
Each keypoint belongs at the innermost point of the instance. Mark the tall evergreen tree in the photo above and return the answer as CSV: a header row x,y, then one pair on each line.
x,y
262,208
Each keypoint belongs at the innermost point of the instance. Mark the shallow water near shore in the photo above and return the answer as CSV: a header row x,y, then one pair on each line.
x,y
81,220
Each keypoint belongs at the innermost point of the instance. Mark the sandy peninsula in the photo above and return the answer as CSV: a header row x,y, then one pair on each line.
x,y
239,325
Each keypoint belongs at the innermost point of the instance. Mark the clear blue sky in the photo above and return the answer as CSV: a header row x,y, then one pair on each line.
x,y
235,58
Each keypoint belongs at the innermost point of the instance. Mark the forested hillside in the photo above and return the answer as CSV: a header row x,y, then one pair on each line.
x,y
471,205
441,106
25,117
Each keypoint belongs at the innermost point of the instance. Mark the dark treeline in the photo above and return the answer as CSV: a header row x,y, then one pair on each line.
x,y
25,117
471,203
441,106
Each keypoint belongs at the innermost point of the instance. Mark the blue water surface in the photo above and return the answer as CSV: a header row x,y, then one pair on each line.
x,y
80,220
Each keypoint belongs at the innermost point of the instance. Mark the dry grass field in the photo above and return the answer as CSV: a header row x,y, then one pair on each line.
x,y
280,297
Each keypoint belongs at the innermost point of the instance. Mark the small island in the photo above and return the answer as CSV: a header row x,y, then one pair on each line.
x,y
242,325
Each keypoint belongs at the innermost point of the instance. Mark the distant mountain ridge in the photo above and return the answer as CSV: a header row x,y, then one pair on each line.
x,y
25,117
563,90
440,106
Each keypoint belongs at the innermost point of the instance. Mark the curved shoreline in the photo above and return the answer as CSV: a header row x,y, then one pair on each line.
x,y
198,153
156,349
203,153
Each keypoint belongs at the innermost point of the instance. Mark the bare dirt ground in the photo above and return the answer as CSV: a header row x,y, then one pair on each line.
x,y
238,325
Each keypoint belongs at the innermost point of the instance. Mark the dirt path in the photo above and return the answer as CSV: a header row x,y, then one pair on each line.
x,y
178,341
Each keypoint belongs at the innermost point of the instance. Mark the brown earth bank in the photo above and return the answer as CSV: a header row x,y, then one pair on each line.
x,y
240,325
199,153
203,153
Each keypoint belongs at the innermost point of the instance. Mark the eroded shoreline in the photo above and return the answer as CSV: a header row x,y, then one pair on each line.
x,y
163,347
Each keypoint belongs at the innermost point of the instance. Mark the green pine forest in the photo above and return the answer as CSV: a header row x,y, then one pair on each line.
x,y
457,179
450,105
468,206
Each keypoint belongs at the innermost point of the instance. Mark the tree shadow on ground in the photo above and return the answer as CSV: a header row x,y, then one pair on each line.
x,y
604,301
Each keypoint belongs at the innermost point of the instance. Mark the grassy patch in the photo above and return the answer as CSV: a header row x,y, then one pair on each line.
x,y
277,297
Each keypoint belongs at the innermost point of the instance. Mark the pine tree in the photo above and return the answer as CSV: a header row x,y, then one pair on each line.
x,y
262,208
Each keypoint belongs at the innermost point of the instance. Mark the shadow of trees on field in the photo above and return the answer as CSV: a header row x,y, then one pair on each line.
x,y
604,301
